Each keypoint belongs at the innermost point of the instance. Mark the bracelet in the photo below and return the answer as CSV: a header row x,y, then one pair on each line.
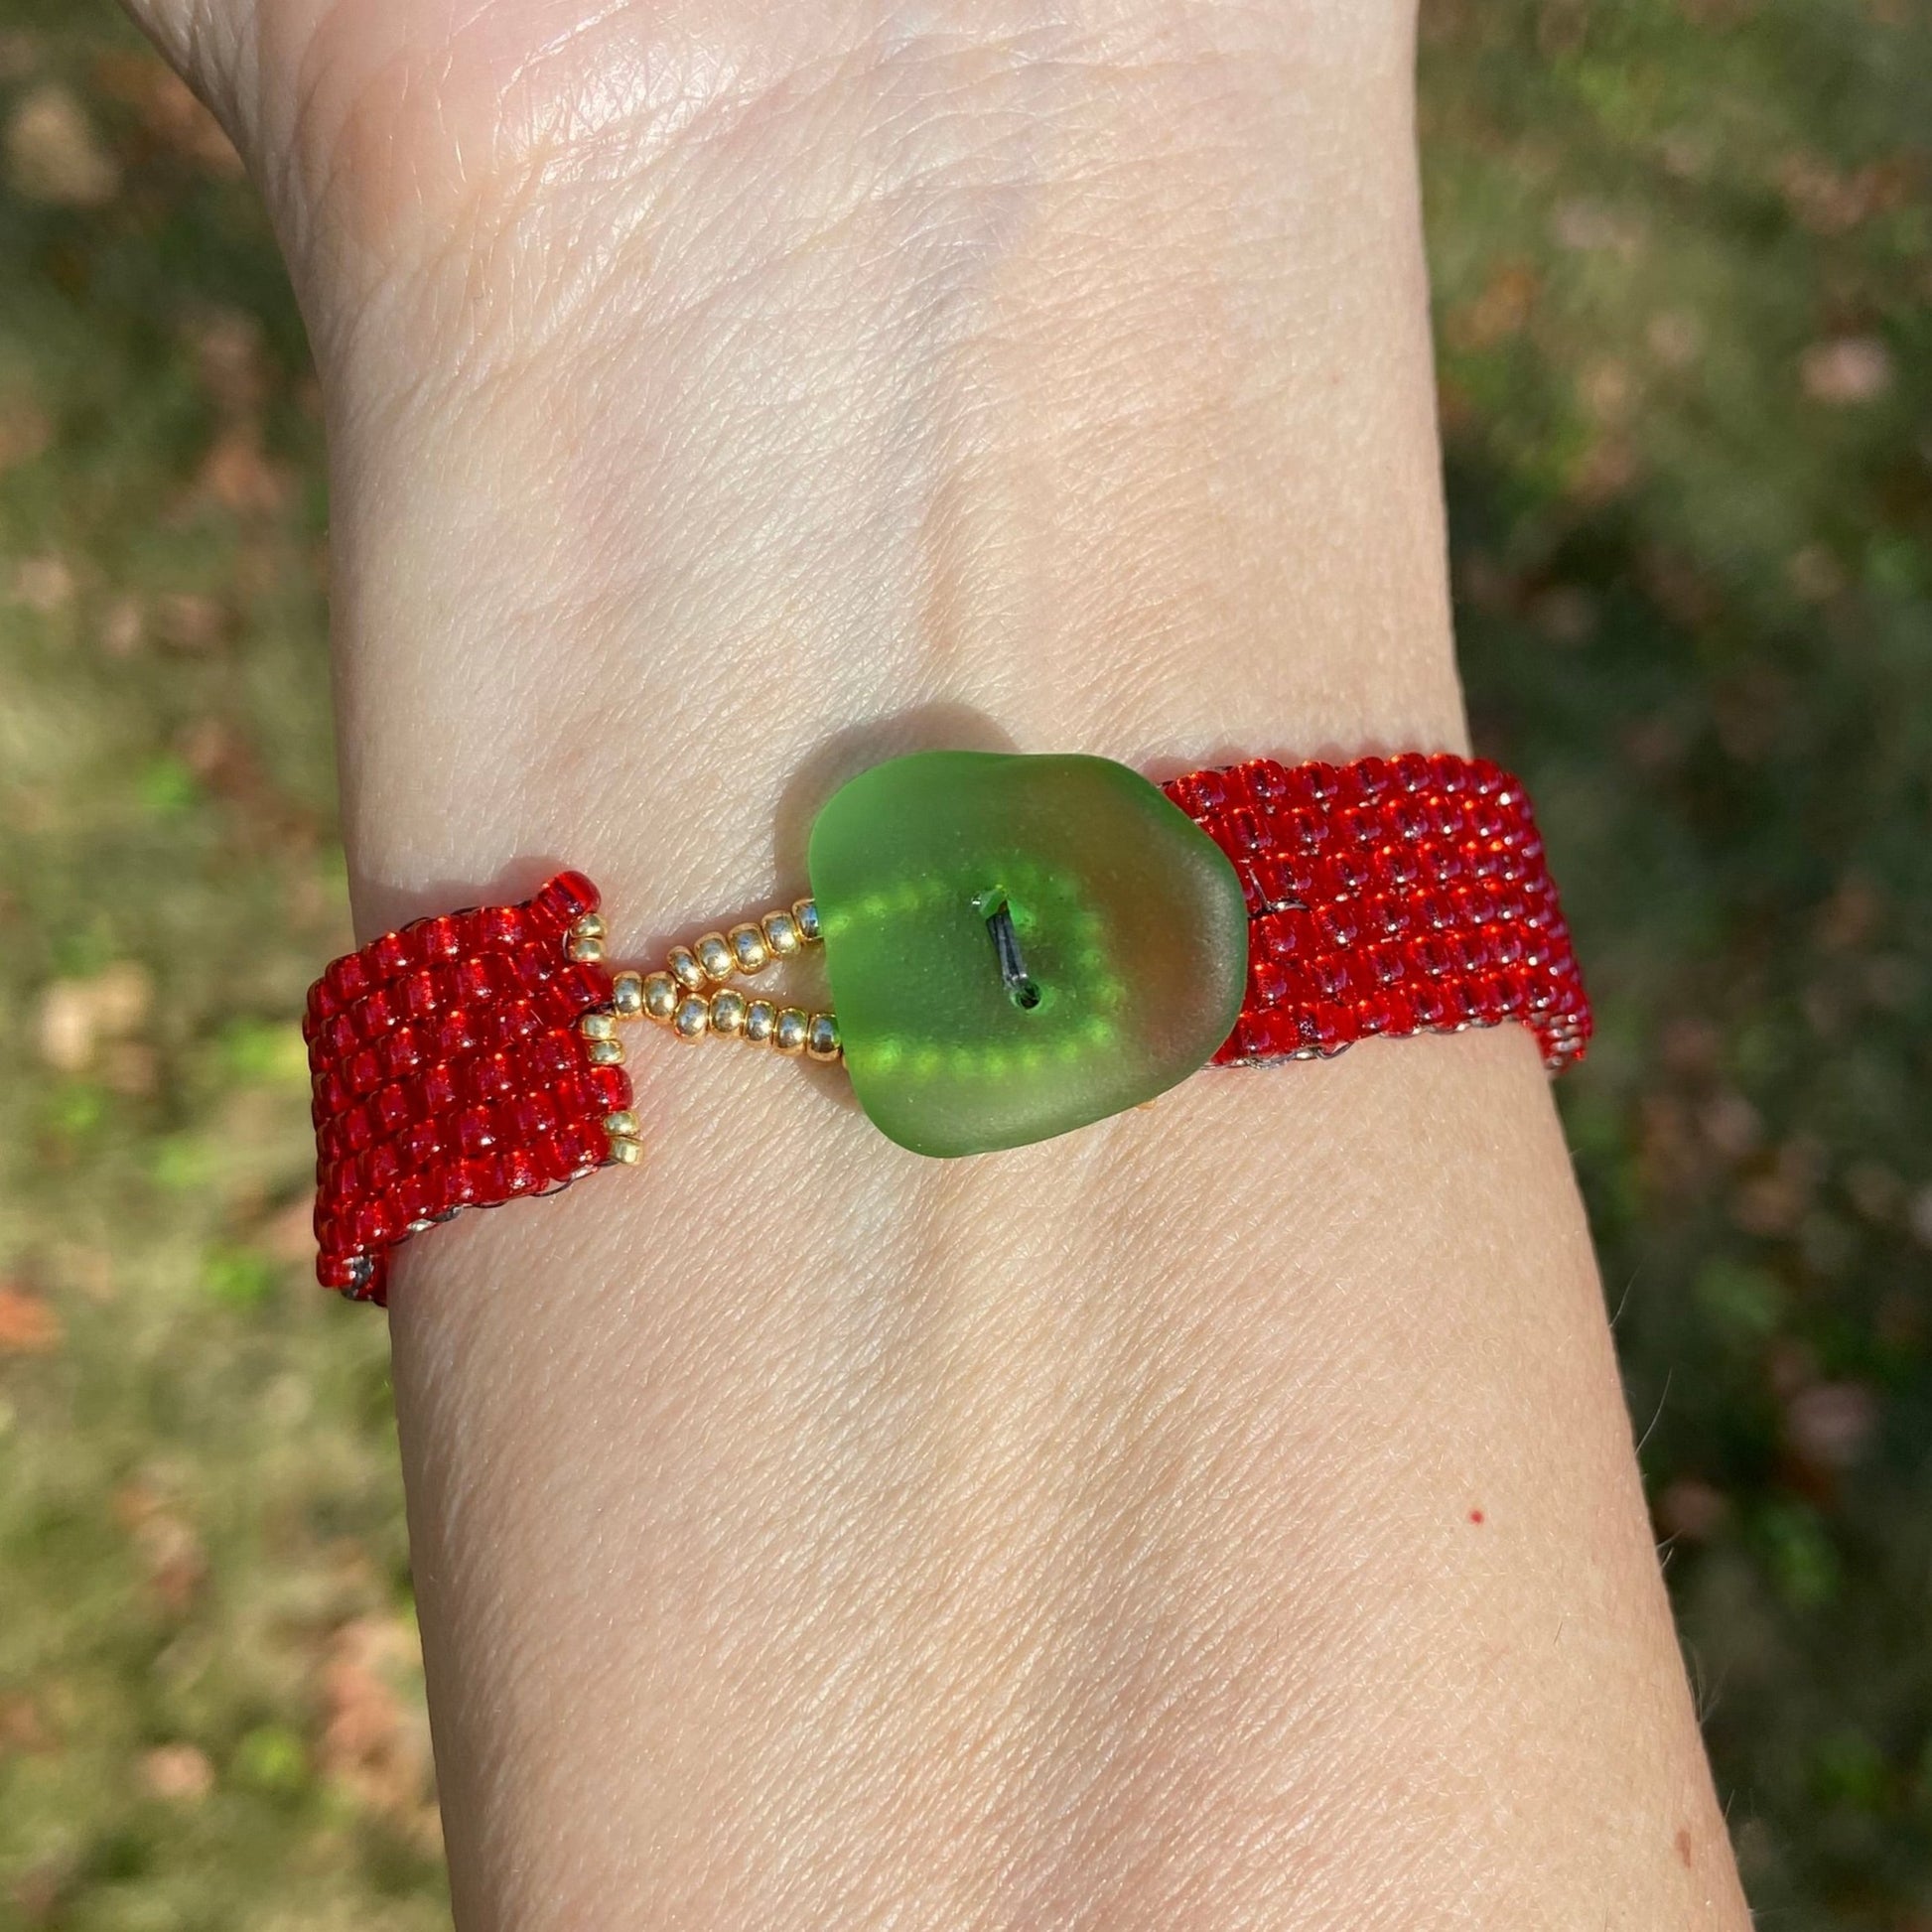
x,y
1016,946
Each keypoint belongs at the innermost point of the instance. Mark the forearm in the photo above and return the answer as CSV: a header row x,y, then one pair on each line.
x,y
1227,1516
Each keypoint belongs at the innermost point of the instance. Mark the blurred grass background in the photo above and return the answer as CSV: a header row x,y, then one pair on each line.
x,y
1683,256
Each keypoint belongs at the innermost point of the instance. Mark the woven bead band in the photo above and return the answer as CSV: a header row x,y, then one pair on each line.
x,y
1389,896
450,1070
470,1058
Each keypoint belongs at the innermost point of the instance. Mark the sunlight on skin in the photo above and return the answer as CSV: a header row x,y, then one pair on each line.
x,y
1088,1535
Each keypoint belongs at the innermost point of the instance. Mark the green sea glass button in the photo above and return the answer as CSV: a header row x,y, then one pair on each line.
x,y
1019,946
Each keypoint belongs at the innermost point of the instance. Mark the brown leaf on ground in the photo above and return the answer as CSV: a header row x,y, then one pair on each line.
x,y
188,623
78,1017
168,112
24,1725
179,1773
175,1561
238,474
1499,312
123,629
43,583
28,1326
26,429
375,1741
1831,201
1846,371
1691,1510
1831,1424
54,154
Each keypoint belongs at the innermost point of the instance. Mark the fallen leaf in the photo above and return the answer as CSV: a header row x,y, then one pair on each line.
x,y
1831,1424
43,583
1846,371
77,1017
28,1326
26,429
1691,1510
375,1741
54,154
179,1773
188,623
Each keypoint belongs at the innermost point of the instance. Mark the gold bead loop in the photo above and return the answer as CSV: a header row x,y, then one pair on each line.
x,y
750,953
689,993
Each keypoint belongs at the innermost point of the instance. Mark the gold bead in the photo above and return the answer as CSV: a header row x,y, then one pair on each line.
x,y
597,1026
789,1032
590,926
692,1019
760,1022
714,956
604,1053
624,1150
684,968
627,994
728,1012
822,1037
750,953
805,911
660,995
782,934
584,947
623,1124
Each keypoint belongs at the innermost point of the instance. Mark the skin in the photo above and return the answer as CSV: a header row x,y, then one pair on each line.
x,y
1224,1517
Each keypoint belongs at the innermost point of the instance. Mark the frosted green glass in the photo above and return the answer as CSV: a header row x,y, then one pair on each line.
x,y
1019,946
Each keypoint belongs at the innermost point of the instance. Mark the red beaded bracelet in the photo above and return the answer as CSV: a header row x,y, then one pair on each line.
x,y
1017,947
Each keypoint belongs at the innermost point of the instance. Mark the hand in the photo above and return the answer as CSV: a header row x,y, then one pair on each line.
x,y
720,395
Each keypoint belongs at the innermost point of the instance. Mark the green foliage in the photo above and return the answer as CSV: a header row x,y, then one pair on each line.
x,y
1683,262
1685,306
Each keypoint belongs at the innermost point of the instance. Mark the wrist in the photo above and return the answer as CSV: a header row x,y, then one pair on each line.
x,y
1113,446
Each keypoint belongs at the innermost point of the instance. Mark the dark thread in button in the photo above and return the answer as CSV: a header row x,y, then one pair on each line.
x,y
1021,988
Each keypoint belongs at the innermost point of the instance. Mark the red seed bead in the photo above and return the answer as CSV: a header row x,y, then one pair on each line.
x,y
400,1051
489,1076
387,956
436,1091
455,1033
335,1270
588,1142
534,966
610,1088
1267,983
416,994
389,1108
347,978
500,926
531,1116
474,981
1201,794
413,1199
381,1165
520,1171
437,942
566,897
